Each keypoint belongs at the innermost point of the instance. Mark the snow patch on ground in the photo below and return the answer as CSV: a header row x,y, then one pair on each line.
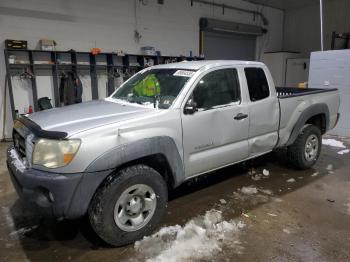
x,y
272,214
337,144
8,218
333,143
342,152
286,230
251,190
199,239
251,199
251,172
256,177
8,245
223,201
291,180
252,195
266,191
329,167
266,172
314,174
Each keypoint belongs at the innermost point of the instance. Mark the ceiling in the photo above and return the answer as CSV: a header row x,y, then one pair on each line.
x,y
285,4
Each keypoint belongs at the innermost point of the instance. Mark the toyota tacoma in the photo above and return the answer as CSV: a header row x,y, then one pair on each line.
x,y
115,159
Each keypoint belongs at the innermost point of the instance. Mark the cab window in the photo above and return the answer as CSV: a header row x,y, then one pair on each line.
x,y
257,83
217,88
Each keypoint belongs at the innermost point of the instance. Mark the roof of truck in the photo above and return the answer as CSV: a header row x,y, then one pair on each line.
x,y
195,65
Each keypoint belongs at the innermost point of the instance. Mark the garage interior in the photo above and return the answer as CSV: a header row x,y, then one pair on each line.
x,y
272,211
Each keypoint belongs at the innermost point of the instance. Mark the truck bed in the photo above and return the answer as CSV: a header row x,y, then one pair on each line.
x,y
285,92
294,101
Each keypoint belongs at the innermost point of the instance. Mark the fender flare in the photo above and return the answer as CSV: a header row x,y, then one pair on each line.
x,y
311,111
125,153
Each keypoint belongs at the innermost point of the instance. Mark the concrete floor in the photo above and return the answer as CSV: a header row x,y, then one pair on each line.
x,y
306,220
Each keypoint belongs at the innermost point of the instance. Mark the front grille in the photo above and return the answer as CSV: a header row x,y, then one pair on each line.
x,y
19,143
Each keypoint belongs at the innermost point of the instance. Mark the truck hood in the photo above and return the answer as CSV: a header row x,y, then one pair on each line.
x,y
80,117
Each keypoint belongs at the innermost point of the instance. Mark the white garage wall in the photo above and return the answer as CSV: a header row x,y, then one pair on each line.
x,y
302,26
172,28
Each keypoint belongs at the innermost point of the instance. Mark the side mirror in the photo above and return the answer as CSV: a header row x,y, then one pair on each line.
x,y
190,107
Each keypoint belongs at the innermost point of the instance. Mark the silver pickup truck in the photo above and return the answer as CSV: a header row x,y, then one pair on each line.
x,y
115,159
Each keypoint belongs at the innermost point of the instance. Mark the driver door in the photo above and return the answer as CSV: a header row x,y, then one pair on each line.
x,y
217,134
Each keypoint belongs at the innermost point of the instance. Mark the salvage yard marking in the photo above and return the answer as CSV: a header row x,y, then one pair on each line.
x,y
184,73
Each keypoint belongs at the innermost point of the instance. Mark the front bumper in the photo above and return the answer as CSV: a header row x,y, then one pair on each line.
x,y
52,194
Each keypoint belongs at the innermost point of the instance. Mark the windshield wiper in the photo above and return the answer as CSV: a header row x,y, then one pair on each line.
x,y
135,102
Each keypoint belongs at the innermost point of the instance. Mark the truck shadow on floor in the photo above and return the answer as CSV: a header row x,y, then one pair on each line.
x,y
194,197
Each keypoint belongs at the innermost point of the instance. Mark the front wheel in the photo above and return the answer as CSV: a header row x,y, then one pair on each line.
x,y
129,205
306,149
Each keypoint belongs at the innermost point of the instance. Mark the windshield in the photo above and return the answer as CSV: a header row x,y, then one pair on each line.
x,y
154,87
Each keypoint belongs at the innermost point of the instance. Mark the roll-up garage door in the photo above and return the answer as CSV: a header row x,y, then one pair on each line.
x,y
228,40
228,46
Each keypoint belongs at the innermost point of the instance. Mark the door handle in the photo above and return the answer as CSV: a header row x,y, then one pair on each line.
x,y
240,116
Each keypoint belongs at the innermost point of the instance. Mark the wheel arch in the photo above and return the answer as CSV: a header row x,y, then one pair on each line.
x,y
317,114
160,153
158,162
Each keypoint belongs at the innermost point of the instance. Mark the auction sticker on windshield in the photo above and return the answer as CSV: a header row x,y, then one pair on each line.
x,y
184,73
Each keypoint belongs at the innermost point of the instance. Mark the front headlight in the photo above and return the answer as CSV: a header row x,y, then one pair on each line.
x,y
55,153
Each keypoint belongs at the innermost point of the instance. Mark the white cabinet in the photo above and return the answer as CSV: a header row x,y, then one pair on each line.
x,y
277,63
297,71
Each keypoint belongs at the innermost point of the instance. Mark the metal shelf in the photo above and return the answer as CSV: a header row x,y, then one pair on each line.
x,y
74,66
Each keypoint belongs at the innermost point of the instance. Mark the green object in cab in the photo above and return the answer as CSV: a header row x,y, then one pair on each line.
x,y
149,86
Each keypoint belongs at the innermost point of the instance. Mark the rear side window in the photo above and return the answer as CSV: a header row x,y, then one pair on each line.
x,y
217,88
257,83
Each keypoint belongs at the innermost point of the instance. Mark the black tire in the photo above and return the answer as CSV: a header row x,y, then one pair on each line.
x,y
101,209
296,152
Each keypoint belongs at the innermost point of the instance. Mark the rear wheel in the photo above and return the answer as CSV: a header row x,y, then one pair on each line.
x,y
129,205
306,149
